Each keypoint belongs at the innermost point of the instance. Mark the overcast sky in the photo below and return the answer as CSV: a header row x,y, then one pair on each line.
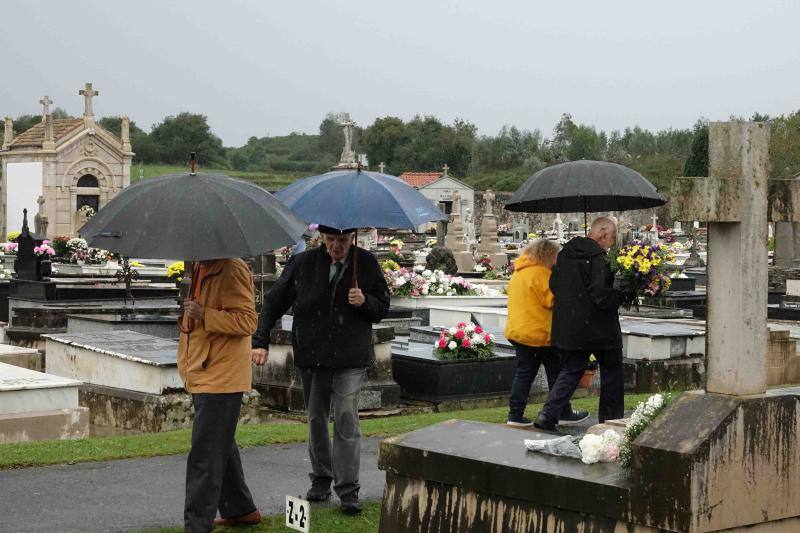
x,y
270,68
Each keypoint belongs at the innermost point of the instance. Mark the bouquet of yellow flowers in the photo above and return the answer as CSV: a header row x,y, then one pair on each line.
x,y
642,269
174,271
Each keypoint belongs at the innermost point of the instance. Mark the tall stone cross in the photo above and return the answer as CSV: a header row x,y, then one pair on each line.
x,y
46,105
88,93
655,222
737,200
381,167
445,168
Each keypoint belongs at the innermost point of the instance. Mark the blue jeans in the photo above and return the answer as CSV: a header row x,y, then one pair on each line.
x,y
529,359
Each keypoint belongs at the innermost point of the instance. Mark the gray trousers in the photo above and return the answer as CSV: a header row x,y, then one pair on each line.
x,y
341,463
214,475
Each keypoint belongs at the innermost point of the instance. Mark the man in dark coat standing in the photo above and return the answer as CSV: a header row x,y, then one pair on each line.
x,y
585,322
332,345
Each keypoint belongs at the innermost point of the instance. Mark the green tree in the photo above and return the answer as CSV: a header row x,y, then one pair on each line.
x,y
697,162
141,143
178,135
382,141
784,146
26,122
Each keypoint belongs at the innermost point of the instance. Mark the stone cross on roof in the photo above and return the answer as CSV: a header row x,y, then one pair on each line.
x,y
46,103
445,168
87,94
736,199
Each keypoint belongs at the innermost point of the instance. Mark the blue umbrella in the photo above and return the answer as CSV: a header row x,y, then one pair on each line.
x,y
345,199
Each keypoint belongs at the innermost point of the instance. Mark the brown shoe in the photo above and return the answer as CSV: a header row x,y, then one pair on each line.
x,y
249,519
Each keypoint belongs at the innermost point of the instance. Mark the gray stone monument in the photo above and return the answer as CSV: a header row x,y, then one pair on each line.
x,y
456,238
784,245
490,244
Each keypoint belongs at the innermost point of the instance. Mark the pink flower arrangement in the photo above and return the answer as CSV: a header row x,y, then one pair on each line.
x,y
9,247
44,250
463,341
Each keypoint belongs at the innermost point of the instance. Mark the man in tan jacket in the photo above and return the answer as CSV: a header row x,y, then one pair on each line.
x,y
215,365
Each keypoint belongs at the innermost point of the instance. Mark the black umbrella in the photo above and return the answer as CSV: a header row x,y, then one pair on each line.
x,y
193,217
588,186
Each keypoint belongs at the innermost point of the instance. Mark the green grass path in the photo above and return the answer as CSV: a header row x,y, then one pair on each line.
x,y
175,442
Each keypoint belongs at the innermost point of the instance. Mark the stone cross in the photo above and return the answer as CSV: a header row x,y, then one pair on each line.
x,y
381,167
655,222
348,155
445,168
87,94
46,103
737,200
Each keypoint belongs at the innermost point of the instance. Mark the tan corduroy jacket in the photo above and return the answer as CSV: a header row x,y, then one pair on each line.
x,y
215,357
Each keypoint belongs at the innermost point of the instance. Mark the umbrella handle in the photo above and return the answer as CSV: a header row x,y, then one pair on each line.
x,y
190,297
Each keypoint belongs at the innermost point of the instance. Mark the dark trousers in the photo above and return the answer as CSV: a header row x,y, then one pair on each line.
x,y
573,365
214,475
342,461
529,359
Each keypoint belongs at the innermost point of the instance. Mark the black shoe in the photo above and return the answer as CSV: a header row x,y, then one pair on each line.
x,y
350,504
573,418
544,423
519,421
320,490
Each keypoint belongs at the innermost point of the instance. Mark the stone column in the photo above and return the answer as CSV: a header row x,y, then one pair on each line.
x,y
784,244
8,132
737,267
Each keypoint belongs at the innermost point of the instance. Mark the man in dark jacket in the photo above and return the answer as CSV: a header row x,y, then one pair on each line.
x,y
585,322
332,344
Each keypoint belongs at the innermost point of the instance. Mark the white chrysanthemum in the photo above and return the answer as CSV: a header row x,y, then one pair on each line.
x,y
477,339
440,290
452,330
426,273
418,268
452,345
591,448
470,328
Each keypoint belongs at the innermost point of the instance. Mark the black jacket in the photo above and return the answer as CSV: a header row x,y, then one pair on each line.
x,y
327,331
585,314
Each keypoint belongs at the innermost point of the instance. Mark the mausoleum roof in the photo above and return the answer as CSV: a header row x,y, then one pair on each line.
x,y
420,179
34,137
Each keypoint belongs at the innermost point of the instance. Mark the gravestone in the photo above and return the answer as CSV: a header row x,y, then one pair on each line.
x,y
727,458
39,406
455,240
490,244
131,380
281,387
784,245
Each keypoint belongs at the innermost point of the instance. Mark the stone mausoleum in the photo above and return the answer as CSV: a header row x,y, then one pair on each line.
x,y
59,166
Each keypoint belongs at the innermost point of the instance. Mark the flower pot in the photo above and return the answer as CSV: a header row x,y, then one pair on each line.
x,y
587,378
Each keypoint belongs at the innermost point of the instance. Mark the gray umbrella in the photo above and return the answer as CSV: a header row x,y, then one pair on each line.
x,y
194,217
588,186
